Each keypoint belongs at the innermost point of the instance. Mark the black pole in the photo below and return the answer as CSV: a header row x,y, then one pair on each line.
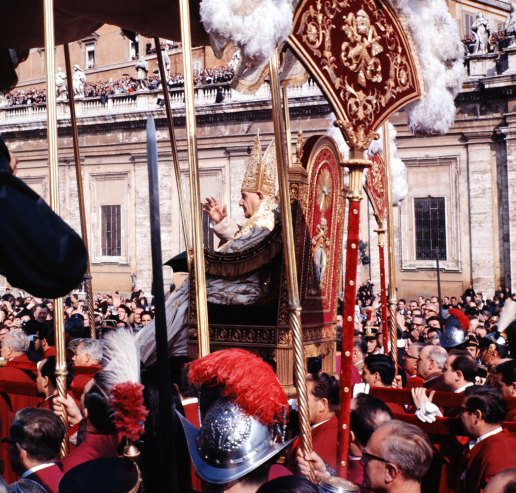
x,y
439,298
168,474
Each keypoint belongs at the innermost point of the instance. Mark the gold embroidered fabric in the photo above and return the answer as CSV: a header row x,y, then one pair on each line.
x,y
261,173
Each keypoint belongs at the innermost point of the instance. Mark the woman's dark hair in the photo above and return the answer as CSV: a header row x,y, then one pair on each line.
x,y
325,387
288,484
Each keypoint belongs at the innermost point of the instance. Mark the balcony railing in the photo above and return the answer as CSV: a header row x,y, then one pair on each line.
x,y
144,101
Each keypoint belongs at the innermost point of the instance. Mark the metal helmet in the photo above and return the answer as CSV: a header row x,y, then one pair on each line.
x,y
452,335
230,443
242,407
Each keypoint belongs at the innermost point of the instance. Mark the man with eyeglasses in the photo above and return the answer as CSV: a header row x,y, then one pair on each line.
x,y
410,359
397,457
417,328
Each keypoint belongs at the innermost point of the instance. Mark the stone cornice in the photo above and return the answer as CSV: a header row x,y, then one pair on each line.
x,y
478,136
499,4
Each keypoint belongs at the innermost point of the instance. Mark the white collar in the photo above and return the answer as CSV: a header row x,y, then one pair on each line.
x,y
320,423
37,468
463,388
491,433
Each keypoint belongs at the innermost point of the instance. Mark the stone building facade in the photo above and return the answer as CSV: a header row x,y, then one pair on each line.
x,y
467,177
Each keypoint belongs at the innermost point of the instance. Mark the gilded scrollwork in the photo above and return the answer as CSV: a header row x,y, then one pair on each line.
x,y
377,176
358,136
361,56
359,52
293,192
284,337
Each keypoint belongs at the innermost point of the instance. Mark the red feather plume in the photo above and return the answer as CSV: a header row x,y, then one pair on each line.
x,y
129,411
460,316
244,378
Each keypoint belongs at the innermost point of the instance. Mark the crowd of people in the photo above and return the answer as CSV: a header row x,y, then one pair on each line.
x,y
433,410
124,85
461,345
26,97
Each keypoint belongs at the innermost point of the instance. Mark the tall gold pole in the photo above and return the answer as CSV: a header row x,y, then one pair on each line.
x,y
390,246
173,145
289,257
288,133
201,298
80,190
61,371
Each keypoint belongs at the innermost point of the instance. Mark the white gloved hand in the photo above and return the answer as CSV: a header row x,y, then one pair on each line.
x,y
360,388
428,412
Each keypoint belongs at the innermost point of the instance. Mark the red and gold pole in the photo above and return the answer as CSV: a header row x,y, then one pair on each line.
x,y
383,288
356,165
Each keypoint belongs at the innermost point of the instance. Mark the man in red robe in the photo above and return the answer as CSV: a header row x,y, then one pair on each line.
x,y
17,387
491,448
35,437
86,361
323,402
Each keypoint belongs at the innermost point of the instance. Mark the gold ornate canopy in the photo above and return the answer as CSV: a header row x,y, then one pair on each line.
x,y
360,55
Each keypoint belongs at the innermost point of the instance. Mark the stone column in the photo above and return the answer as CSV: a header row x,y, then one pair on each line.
x,y
510,132
483,210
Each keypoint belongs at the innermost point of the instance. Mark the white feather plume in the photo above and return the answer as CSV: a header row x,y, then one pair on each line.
x,y
507,315
399,183
256,27
441,58
336,134
120,360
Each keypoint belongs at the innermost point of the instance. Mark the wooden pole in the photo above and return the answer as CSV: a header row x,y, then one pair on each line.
x,y
80,190
173,145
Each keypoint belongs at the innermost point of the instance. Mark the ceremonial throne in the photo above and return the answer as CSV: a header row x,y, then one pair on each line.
x,y
317,200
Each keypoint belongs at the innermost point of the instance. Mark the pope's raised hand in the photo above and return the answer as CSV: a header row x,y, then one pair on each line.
x,y
216,212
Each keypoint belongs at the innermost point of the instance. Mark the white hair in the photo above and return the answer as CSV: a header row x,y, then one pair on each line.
x,y
439,355
17,340
91,347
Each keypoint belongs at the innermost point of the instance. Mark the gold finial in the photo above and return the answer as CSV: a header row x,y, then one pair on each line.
x,y
131,452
